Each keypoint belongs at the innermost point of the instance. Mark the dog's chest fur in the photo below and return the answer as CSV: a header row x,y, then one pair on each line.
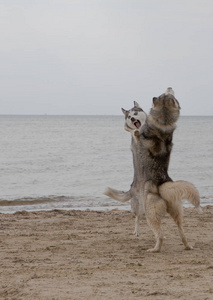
x,y
158,142
151,154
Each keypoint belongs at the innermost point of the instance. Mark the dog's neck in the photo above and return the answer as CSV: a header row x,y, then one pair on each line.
x,y
164,127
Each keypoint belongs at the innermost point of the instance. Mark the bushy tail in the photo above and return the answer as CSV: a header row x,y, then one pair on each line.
x,y
118,195
180,190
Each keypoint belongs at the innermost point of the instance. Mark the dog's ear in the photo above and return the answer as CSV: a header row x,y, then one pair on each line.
x,y
124,111
155,101
136,104
176,104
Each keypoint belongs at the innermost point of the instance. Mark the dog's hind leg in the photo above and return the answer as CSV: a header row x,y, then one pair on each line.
x,y
136,232
175,209
155,208
137,209
155,226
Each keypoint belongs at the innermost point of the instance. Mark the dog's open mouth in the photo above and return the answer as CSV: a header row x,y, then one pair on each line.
x,y
137,123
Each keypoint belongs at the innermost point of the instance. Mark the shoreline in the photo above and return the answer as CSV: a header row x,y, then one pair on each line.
x,y
121,207
75,254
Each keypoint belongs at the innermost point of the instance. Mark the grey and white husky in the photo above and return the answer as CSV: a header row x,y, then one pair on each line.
x,y
153,192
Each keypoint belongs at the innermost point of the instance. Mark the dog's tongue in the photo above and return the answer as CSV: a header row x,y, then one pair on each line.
x,y
137,124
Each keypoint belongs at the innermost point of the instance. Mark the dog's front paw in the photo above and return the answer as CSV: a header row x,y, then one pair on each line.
x,y
136,135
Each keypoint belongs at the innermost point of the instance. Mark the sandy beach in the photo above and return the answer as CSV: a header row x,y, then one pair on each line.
x,y
94,255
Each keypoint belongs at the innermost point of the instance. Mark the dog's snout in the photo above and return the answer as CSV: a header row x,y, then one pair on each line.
x,y
132,119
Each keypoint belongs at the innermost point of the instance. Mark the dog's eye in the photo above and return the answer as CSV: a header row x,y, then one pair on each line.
x,y
129,117
136,113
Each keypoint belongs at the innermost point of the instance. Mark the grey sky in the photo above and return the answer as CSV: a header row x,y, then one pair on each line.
x,y
94,57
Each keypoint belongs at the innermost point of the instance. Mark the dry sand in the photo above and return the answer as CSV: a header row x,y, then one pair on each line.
x,y
94,255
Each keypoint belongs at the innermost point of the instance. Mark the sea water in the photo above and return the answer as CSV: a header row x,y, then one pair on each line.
x,y
66,162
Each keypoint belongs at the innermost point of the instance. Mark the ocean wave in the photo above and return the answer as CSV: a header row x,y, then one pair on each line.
x,y
34,201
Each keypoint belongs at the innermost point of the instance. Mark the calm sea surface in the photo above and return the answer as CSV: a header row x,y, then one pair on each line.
x,y
66,162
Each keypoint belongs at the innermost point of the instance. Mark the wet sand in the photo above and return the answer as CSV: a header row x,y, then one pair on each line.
x,y
94,255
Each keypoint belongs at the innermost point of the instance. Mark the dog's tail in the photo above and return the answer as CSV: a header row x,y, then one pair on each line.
x,y
180,190
118,195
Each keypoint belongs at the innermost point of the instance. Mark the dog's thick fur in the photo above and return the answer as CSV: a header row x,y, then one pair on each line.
x,y
152,190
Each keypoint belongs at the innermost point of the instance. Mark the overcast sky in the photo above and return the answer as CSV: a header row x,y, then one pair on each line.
x,y
94,57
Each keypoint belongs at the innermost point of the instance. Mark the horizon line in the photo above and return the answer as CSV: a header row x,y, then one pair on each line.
x,y
92,115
